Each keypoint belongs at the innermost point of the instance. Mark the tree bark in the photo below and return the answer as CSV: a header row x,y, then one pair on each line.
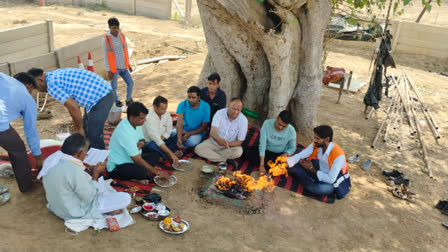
x,y
268,53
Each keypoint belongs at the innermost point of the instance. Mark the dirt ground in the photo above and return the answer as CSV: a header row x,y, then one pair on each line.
x,y
368,219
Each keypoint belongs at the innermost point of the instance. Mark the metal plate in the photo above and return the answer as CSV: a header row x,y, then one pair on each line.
x,y
172,182
187,226
190,165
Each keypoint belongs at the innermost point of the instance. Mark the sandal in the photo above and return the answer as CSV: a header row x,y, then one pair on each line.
x,y
399,194
3,189
410,196
4,198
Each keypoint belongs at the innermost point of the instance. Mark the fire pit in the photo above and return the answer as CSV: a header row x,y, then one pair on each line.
x,y
242,185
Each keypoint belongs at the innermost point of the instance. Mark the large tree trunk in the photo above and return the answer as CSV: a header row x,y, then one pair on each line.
x,y
269,53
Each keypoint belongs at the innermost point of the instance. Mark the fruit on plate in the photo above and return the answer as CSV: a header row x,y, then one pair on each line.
x,y
167,220
182,226
175,228
177,219
167,226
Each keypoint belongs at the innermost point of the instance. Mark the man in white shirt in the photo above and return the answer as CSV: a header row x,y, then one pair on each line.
x,y
229,128
158,129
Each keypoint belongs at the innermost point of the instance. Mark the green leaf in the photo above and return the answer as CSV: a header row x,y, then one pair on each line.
x,y
406,2
352,21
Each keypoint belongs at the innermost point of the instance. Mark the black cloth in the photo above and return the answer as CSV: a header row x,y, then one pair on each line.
x,y
130,171
14,145
218,102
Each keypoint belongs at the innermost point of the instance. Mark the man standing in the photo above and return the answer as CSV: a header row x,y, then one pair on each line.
x,y
77,88
116,60
126,160
321,167
213,95
193,116
15,102
157,130
277,138
229,128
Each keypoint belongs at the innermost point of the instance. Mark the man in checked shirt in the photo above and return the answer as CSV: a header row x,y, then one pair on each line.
x,y
116,60
77,88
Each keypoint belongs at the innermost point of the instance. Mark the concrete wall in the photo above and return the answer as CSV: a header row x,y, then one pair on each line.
x,y
420,39
154,8
63,57
26,41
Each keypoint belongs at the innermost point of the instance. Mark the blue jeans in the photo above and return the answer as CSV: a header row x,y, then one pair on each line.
x,y
192,141
152,146
93,122
126,75
310,181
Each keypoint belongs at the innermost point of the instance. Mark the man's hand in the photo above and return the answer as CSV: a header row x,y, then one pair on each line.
x,y
140,144
163,138
130,68
110,75
39,160
262,169
81,131
164,175
175,160
179,144
223,142
285,154
306,164
98,169
185,136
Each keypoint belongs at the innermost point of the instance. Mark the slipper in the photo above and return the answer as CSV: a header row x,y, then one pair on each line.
x,y
400,181
410,196
395,173
3,189
4,198
399,194
367,164
6,170
354,159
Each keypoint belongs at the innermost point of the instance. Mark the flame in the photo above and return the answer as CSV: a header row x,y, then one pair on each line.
x,y
224,183
246,183
279,167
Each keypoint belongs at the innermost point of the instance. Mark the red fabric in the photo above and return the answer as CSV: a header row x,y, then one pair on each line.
x,y
333,74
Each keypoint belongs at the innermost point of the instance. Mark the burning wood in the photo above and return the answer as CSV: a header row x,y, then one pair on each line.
x,y
245,183
279,167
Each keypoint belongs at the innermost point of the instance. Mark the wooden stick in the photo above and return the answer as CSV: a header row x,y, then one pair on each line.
x,y
399,128
408,102
383,122
411,83
405,101
185,50
391,117
422,143
157,59
370,113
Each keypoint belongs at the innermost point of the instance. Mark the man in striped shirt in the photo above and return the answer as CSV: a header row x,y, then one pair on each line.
x,y
77,88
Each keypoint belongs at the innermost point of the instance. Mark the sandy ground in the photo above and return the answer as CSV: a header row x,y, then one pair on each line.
x,y
369,219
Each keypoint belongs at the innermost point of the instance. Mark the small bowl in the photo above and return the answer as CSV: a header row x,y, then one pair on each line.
x,y
149,207
153,215
164,213
135,209
160,207
207,170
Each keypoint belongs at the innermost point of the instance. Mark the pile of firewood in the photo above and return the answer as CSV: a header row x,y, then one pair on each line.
x,y
403,108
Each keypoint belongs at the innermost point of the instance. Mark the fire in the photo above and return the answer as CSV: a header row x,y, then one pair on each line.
x,y
224,183
279,167
246,183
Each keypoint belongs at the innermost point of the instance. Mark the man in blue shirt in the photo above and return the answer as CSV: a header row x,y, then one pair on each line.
x,y
77,88
126,160
213,95
15,102
193,116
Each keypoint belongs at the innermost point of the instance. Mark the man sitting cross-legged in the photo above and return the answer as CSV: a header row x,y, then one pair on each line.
x,y
71,192
277,138
126,160
229,128
321,167
158,129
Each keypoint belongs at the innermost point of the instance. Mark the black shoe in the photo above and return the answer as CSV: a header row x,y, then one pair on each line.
x,y
399,181
442,204
129,102
119,104
395,173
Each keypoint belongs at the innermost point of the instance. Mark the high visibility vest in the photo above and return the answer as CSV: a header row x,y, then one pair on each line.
x,y
111,53
334,153
342,185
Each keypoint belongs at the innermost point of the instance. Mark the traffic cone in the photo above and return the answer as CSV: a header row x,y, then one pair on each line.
x,y
80,64
90,66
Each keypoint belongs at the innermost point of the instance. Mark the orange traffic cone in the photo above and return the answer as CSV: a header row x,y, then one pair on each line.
x,y
90,66
80,64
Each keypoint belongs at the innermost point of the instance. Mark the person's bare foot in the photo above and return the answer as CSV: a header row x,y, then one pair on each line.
x,y
141,181
178,154
119,211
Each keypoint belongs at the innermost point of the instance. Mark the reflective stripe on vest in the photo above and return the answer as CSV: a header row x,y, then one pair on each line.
x,y
111,53
340,179
334,153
